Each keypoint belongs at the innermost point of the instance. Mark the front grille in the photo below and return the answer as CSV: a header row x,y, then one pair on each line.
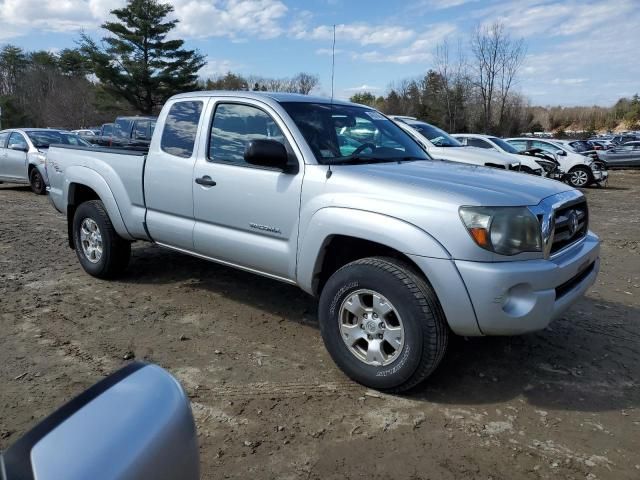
x,y
572,224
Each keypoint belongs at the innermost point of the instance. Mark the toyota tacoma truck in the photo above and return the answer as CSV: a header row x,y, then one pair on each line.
x,y
401,250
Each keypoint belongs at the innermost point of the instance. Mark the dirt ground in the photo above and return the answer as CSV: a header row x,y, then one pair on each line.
x,y
268,400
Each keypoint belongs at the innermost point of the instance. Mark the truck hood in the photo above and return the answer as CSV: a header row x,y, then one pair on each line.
x,y
443,182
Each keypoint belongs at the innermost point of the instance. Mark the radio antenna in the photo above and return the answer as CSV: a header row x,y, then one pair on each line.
x,y
333,69
333,60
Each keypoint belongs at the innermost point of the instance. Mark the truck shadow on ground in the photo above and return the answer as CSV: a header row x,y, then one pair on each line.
x,y
589,360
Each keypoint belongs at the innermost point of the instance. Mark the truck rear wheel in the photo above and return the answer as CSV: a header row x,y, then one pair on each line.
x,y
101,251
382,324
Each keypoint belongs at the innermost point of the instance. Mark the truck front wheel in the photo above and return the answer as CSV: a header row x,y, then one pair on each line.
x,y
382,324
101,251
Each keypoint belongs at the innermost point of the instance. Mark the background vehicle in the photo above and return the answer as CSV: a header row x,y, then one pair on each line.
x,y
581,171
443,146
133,132
103,138
22,153
621,156
600,144
622,139
136,423
536,166
399,248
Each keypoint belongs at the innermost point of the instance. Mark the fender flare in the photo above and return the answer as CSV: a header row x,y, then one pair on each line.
x,y
331,221
78,175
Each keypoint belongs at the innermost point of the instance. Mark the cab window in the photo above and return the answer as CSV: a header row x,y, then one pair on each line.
x,y
234,126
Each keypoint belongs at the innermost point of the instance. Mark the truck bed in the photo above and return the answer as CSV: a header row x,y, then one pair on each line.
x,y
119,170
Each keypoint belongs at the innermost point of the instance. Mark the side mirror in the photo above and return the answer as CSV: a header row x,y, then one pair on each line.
x,y
268,153
136,423
19,148
561,153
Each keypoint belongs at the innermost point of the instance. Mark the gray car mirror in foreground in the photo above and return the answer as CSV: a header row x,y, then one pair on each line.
x,y
136,423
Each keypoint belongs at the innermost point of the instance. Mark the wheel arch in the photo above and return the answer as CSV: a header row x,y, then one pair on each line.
x,y
336,236
82,185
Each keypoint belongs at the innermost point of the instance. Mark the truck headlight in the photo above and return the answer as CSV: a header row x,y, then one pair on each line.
x,y
503,230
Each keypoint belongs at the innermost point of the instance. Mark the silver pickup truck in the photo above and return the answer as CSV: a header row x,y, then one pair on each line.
x,y
402,250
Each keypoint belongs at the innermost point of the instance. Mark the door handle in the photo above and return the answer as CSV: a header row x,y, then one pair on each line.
x,y
206,181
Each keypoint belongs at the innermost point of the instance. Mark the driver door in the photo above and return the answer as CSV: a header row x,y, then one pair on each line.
x,y
15,161
246,216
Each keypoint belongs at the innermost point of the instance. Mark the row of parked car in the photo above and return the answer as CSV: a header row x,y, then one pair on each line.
x,y
126,132
551,158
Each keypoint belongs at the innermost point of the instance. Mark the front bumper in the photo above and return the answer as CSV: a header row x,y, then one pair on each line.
x,y
511,298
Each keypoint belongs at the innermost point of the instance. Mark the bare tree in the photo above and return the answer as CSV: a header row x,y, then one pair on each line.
x,y
498,58
304,83
455,80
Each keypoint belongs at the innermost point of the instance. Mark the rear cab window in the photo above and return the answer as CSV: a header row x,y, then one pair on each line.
x,y
180,128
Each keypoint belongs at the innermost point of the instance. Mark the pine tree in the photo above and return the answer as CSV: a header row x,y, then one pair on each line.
x,y
137,62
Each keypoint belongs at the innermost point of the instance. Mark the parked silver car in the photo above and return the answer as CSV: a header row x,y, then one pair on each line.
x,y
22,154
622,156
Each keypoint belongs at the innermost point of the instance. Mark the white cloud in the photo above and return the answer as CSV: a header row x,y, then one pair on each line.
x,y
20,17
361,33
230,18
236,19
362,88
419,51
214,68
569,81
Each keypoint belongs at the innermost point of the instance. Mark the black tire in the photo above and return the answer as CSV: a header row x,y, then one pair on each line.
x,y
115,250
576,176
425,330
37,182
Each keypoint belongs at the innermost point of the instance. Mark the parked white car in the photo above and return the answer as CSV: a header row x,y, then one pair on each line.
x,y
581,170
22,154
492,143
439,144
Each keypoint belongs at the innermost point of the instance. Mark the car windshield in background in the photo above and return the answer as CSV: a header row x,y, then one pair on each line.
x,y
504,145
44,138
438,137
350,134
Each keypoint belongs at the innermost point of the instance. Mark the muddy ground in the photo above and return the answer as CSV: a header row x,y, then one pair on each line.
x,y
269,402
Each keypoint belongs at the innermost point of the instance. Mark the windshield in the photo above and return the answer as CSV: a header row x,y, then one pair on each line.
x,y
44,138
504,145
345,133
438,137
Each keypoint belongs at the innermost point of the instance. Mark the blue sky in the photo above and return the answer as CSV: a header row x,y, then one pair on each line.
x,y
580,52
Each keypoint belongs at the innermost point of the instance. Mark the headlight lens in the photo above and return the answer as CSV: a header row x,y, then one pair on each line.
x,y
503,230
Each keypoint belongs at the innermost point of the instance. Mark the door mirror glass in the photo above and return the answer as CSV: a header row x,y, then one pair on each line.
x,y
561,153
267,153
136,423
19,147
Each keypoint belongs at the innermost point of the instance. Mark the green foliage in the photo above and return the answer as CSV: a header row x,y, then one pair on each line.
x,y
12,115
137,61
